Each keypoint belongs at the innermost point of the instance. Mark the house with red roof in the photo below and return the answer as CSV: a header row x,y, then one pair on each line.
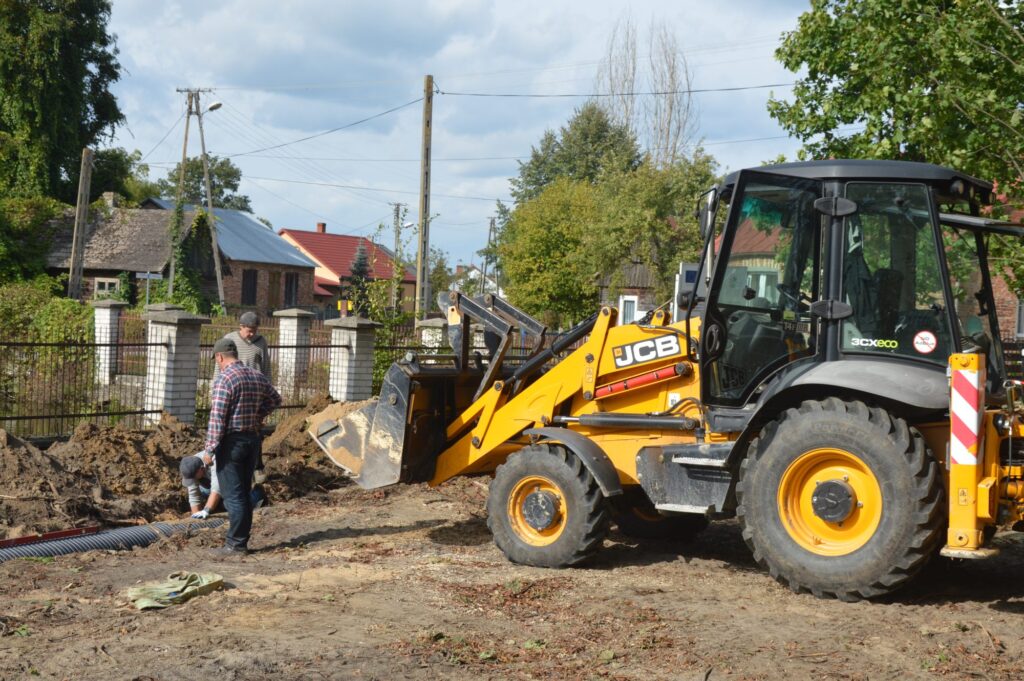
x,y
333,255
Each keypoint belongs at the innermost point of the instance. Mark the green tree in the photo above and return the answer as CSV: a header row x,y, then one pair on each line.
x,y
647,216
225,177
590,145
355,287
440,272
117,170
57,64
917,79
546,270
25,233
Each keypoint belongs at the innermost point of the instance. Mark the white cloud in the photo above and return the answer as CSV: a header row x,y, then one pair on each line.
x,y
290,70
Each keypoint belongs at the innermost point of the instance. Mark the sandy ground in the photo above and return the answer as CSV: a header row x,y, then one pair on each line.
x,y
405,583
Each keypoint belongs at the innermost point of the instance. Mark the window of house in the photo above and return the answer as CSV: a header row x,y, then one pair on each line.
x,y
1020,319
291,289
249,281
627,309
104,288
274,290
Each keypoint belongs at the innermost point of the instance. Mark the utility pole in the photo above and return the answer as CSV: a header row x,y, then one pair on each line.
x,y
194,107
81,227
209,205
423,250
181,186
395,276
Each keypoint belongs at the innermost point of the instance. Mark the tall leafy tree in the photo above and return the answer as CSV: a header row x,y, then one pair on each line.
x,y
57,64
647,216
929,80
588,146
118,170
545,268
225,177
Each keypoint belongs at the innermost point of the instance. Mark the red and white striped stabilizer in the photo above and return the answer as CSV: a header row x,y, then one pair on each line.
x,y
965,411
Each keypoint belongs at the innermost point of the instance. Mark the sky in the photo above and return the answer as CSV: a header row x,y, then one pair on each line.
x,y
288,71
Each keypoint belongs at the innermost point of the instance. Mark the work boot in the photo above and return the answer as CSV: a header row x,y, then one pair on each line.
x,y
223,552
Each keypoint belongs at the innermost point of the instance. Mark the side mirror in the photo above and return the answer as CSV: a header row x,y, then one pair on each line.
x,y
684,299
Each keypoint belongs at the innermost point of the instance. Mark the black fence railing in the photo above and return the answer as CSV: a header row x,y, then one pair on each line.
x,y
1013,357
309,378
47,389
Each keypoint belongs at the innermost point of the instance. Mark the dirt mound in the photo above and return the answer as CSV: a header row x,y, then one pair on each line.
x,y
295,465
114,475
37,494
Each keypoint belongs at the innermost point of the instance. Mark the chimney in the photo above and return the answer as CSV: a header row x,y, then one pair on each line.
x,y
321,228
111,199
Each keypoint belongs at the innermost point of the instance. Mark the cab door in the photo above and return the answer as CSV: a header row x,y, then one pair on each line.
x,y
766,274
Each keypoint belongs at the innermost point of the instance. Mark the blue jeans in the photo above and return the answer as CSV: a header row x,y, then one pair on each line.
x,y
236,461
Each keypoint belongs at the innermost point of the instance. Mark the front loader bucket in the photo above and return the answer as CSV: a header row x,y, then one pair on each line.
x,y
369,442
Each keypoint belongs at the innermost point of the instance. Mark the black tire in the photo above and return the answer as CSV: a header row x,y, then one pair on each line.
x,y
906,503
637,517
581,526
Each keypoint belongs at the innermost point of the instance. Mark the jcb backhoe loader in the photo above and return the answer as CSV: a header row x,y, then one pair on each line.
x,y
836,381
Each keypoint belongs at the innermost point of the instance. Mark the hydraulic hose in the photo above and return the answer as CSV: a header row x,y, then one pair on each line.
x,y
121,538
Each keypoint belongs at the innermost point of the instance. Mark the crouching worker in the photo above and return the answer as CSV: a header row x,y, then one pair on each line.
x,y
199,476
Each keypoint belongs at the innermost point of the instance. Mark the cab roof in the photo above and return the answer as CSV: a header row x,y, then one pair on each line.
x,y
940,177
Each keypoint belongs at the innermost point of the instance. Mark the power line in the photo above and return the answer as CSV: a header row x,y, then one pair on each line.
x,y
392,160
374,189
328,132
166,135
615,94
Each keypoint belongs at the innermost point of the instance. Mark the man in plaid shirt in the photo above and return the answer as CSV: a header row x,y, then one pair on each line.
x,y
242,399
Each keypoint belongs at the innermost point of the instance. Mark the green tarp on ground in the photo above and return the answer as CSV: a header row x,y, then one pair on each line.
x,y
179,587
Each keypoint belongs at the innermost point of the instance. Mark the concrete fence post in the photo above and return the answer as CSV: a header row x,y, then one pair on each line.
x,y
106,330
352,344
293,348
173,366
433,333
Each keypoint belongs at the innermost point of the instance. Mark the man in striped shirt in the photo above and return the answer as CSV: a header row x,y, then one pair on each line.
x,y
242,399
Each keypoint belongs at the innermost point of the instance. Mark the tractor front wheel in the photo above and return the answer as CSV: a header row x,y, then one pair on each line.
x,y
840,499
544,508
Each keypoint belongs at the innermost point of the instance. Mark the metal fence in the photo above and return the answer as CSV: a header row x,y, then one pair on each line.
x,y
311,377
1013,357
49,388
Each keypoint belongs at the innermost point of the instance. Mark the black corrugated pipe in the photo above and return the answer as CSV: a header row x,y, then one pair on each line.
x,y
121,538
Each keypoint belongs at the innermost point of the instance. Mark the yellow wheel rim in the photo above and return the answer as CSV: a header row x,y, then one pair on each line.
x,y
516,503
796,494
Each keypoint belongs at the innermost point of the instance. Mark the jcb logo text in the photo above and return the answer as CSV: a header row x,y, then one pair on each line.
x,y
646,350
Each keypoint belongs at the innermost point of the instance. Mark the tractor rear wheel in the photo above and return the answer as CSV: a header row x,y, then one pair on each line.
x,y
544,508
637,517
841,500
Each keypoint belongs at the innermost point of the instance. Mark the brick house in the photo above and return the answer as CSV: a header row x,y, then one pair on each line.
x,y
333,255
260,270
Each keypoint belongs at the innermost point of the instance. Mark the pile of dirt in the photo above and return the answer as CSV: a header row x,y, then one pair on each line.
x,y
114,475
295,464
37,494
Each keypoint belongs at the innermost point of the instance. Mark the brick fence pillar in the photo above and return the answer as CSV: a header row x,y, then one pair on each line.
x,y
352,344
293,348
106,315
173,370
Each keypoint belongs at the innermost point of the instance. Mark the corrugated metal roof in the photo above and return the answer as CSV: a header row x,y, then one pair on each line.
x,y
242,237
